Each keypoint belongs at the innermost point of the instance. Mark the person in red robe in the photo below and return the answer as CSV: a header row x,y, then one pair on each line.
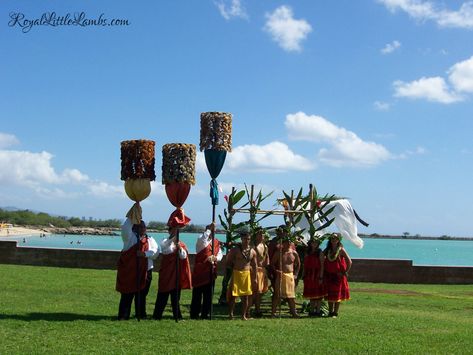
x,y
336,266
204,273
314,289
168,284
134,269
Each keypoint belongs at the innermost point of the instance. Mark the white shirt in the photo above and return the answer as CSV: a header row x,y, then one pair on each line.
x,y
130,239
203,242
168,247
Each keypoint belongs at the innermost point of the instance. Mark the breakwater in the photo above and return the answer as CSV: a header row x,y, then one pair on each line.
x,y
363,270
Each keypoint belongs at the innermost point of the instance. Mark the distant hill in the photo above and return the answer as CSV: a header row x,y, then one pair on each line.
x,y
10,208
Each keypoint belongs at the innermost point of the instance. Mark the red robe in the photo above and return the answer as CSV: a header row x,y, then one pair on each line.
x,y
313,289
201,274
167,272
335,283
127,266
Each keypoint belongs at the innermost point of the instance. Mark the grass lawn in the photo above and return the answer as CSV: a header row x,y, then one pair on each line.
x,y
53,310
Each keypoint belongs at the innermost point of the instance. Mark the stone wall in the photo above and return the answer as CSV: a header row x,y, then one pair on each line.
x,y
363,270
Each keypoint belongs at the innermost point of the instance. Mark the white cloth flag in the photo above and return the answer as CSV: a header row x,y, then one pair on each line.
x,y
345,221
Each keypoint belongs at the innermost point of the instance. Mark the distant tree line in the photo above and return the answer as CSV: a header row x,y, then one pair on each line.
x,y
27,217
162,226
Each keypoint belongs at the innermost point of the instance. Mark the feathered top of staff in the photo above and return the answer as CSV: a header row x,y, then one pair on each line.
x,y
137,157
178,163
137,170
216,131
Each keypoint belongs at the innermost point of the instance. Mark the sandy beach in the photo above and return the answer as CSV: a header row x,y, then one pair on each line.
x,y
19,231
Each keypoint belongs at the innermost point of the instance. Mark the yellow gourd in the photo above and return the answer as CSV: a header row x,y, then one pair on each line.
x,y
137,189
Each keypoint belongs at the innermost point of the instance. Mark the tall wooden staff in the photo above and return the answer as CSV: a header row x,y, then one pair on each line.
x,y
137,170
178,175
215,141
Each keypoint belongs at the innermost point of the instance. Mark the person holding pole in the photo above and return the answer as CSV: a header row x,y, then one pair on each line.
x,y
172,269
205,273
262,262
134,269
286,263
241,260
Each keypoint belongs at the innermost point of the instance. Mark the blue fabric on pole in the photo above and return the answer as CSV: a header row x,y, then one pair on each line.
x,y
214,191
214,159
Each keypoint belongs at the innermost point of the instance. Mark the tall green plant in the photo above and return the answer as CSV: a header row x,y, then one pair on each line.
x,y
314,212
291,219
230,233
254,202
227,222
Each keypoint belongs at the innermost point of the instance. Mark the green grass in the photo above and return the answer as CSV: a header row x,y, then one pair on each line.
x,y
53,310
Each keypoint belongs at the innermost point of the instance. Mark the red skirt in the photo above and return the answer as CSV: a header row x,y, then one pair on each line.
x,y
336,283
313,289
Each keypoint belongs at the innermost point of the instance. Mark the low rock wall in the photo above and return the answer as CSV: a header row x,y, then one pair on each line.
x,y
363,270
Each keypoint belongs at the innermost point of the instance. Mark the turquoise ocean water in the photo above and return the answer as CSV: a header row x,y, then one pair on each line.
x,y
421,252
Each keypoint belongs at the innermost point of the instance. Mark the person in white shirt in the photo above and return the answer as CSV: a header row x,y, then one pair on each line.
x,y
167,275
204,273
134,269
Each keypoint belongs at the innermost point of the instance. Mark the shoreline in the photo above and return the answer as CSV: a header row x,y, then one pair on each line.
x,y
412,237
20,231
16,231
23,231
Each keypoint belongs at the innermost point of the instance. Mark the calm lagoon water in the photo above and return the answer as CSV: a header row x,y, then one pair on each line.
x,y
421,252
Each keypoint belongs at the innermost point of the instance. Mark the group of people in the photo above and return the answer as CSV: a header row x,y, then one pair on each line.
x,y
256,268
136,263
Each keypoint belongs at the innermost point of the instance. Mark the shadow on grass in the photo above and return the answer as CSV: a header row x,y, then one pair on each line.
x,y
55,317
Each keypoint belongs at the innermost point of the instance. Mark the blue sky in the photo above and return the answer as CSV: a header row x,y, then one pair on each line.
x,y
368,99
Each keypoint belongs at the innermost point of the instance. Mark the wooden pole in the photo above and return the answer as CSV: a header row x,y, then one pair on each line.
x,y
252,207
313,204
176,316
138,279
212,285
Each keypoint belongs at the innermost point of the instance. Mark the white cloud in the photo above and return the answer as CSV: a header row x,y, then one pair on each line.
x,y
418,151
7,140
200,165
234,9
104,189
53,193
226,187
36,172
285,30
433,89
428,10
35,169
436,89
272,157
463,18
26,168
346,148
391,47
157,188
74,175
381,106
461,76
